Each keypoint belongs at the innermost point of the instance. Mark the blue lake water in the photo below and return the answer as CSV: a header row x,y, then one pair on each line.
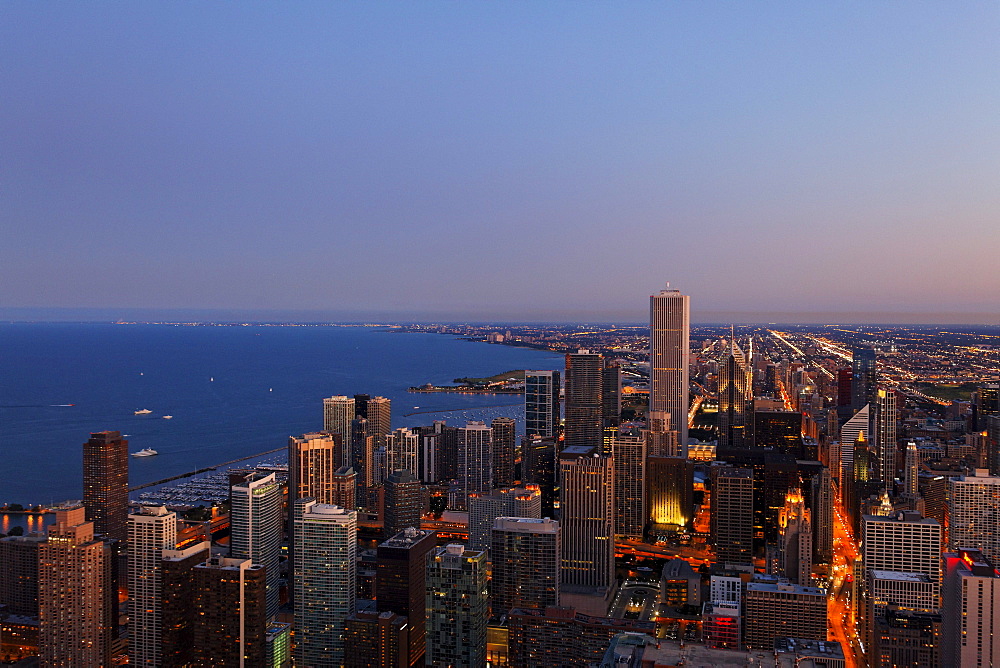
x,y
232,391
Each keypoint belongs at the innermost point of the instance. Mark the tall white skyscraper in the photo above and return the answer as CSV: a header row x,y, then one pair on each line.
x,y
974,513
150,531
669,336
255,529
326,547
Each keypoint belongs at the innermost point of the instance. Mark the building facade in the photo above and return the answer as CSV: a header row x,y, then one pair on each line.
x,y
669,354
542,409
150,531
457,607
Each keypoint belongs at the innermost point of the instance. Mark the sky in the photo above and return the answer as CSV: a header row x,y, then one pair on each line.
x,y
506,161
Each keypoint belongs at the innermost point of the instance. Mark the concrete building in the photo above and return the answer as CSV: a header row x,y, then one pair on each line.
x,y
780,609
313,459
512,502
150,531
628,452
669,355
376,640
795,539
527,558
906,638
559,636
178,614
19,575
105,485
475,460
403,503
669,494
586,517
974,513
970,634
732,514
229,613
457,607
256,531
400,586
584,404
338,413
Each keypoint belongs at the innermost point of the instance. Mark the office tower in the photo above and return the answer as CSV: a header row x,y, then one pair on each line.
x,y
822,513
344,488
541,403
278,645
150,531
669,324
474,461
255,529
527,558
629,456
105,484
974,513
430,455
502,447
586,517
661,438
539,467
669,494
312,461
376,640
735,400
904,542
403,503
857,426
884,429
970,634
781,609
795,539
863,377
230,613
403,446
326,545
781,430
906,638
178,615
584,409
75,590
338,414
400,582
379,417
992,454
732,515
448,451
564,637
512,502
457,607
359,437
19,575
911,478
912,591
611,394
680,584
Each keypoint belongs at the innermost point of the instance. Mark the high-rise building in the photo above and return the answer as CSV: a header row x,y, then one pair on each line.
x,y
795,539
781,609
527,557
179,617
611,395
400,583
584,405
19,575
669,352
229,613
150,531
457,607
511,502
404,450
736,413
338,413
75,593
904,542
502,446
661,437
325,580
586,516
884,429
312,460
475,460
541,403
403,504
911,477
345,484
863,377
105,484
858,426
629,456
970,633
255,529
906,638
539,467
376,640
379,417
821,500
974,513
731,520
669,493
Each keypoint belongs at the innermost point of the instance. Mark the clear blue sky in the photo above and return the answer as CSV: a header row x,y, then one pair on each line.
x,y
507,160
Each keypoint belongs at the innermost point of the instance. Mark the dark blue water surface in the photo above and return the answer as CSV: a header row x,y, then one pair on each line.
x,y
233,391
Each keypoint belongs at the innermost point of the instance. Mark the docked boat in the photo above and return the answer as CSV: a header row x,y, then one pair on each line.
x,y
145,452
144,411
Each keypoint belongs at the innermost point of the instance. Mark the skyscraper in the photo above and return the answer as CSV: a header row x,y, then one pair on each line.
x,y
74,593
538,466
858,425
884,429
400,582
732,515
403,505
780,609
105,484
511,502
669,483
325,580
611,395
178,614
541,403
379,414
255,529
584,424
150,531
457,607
970,633
669,324
502,446
735,400
796,539
586,517
230,616
974,513
19,575
527,559
345,484
863,377
629,455
822,513
474,461
338,413
911,473
313,459
403,448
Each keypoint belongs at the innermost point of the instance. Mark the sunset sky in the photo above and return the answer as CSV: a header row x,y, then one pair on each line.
x,y
487,160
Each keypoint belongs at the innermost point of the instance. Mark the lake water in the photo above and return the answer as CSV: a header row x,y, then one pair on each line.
x,y
232,391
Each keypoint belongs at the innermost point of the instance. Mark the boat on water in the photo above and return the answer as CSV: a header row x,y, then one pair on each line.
x,y
168,417
145,452
143,411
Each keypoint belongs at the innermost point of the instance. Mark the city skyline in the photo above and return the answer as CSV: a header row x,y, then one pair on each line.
x,y
209,154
